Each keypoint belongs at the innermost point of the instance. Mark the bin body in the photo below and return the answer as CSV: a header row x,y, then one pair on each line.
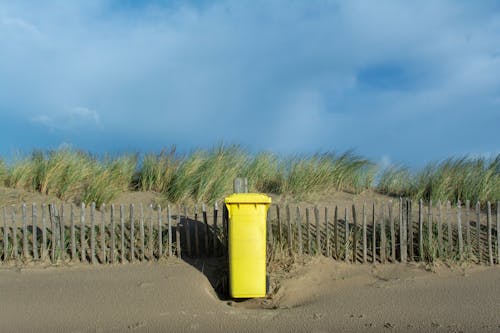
x,y
247,244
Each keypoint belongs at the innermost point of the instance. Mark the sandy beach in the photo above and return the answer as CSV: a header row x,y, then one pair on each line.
x,y
319,295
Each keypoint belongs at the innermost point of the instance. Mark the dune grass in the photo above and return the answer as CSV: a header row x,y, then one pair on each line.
x,y
463,178
207,175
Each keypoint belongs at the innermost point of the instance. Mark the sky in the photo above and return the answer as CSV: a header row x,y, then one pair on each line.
x,y
404,82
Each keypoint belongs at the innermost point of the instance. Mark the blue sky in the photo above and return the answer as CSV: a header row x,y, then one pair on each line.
x,y
400,82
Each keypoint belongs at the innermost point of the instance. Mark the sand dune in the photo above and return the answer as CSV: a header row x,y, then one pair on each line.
x,y
320,296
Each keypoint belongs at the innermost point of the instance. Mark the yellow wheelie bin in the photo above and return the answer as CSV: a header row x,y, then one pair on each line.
x,y
247,244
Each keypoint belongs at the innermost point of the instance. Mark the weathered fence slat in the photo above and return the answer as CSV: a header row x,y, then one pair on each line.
x,y
498,232
365,250
112,245
489,224
383,247
196,232
420,230
160,232
178,231
327,234
103,233
44,233
34,243
269,232
132,233
478,230
25,231
411,231
5,234
346,240
62,234
402,237
308,226
205,223
450,229
169,226
374,236
440,229
289,229
216,212
72,232
122,234
187,231
429,227
393,233
318,231
459,227
82,232
467,224
92,233
52,214
150,232
280,232
14,232
299,229
354,234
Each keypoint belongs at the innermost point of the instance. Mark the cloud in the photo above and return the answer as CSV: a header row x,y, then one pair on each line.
x,y
385,77
76,118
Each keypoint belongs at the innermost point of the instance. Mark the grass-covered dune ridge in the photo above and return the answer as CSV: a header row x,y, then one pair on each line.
x,y
207,175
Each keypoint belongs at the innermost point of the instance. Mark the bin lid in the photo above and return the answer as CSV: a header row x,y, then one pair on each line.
x,y
248,198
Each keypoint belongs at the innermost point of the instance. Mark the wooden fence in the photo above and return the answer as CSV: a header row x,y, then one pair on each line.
x,y
398,231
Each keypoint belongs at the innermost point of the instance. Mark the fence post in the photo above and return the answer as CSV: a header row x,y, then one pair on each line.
x,y
178,231
132,233
393,233
420,230
318,231
498,232
383,247
52,215
14,232
429,226
308,226
450,229
402,237
112,245
327,233
467,224
169,222
280,232
62,234
205,223
25,231
478,230
103,233
354,234
410,231
122,233
34,217
440,229
289,229
216,211
490,247
72,232
365,250
82,232
151,250
92,232
299,230
160,233
5,234
459,226
44,232
374,236
196,232
187,230
346,249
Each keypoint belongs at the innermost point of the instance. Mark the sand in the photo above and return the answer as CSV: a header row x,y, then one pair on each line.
x,y
318,296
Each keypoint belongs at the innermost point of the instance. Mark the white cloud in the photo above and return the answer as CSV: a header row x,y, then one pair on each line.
x,y
76,118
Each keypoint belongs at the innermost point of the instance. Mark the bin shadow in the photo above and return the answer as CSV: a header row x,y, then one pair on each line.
x,y
208,255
